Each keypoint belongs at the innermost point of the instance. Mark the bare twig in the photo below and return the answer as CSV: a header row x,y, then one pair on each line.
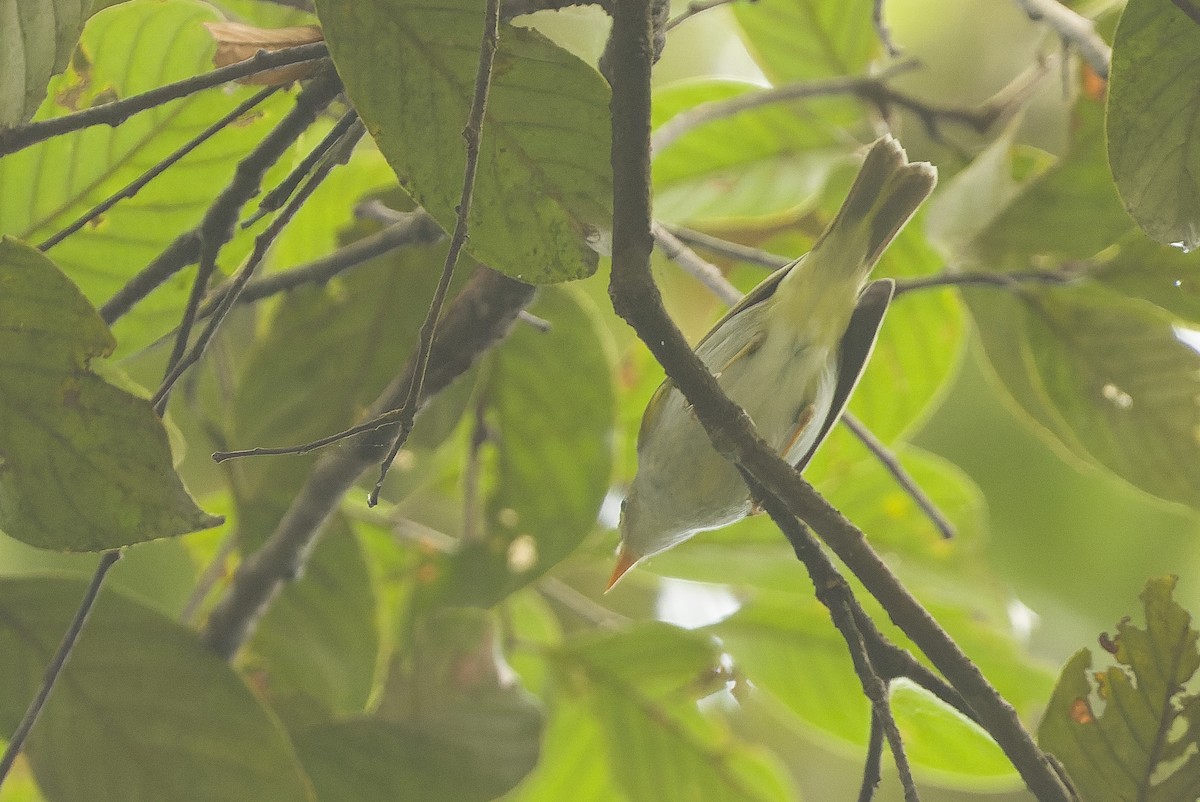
x,y
1074,28
999,280
414,228
906,482
117,112
17,740
636,298
874,90
873,765
706,273
694,8
135,186
472,133
728,249
218,224
262,244
274,199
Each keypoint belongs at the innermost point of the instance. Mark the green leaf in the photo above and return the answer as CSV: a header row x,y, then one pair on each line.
x,y
143,710
1130,731
1166,277
315,650
575,763
456,697
84,466
762,161
789,650
125,50
543,190
1107,377
798,40
36,39
1069,211
549,405
1152,109
642,685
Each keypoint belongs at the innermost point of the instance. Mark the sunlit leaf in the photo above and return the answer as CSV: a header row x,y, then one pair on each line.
x,y
1152,110
84,465
455,696
762,161
143,709
549,404
1164,276
36,39
543,190
804,39
125,50
1109,378
641,685
1129,731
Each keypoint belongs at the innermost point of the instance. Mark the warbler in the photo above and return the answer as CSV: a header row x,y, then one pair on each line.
x,y
789,353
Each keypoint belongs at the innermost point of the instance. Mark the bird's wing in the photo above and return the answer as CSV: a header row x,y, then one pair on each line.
x,y
856,346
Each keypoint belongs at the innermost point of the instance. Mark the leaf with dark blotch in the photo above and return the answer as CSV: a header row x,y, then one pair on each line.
x,y
1130,731
84,465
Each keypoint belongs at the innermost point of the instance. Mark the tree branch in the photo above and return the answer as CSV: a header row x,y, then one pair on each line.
x,y
636,299
479,317
473,134
117,112
1074,28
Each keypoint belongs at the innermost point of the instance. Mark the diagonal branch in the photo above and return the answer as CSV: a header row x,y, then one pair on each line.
x,y
478,318
636,298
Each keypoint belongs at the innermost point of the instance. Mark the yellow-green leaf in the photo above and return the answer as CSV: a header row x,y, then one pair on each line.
x,y
84,465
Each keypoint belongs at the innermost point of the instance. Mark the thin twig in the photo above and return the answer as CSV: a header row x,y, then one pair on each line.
x,y
873,765
17,740
275,199
902,477
882,31
705,272
728,249
580,604
262,244
135,186
117,112
472,133
694,8
1064,275
220,220
1073,27
636,299
415,228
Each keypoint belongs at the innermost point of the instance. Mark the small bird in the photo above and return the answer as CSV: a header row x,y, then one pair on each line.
x,y
789,353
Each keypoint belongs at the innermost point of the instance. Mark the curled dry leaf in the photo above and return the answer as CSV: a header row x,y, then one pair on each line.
x,y
237,42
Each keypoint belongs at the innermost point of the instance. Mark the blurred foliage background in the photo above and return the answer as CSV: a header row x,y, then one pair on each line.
x,y
453,643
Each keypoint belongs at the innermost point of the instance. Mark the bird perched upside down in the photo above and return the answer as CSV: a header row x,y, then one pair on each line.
x,y
789,354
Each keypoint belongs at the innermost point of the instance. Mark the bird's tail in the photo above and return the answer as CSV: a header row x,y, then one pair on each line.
x,y
886,193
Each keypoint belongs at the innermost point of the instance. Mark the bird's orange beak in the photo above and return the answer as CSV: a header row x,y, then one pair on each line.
x,y
626,559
